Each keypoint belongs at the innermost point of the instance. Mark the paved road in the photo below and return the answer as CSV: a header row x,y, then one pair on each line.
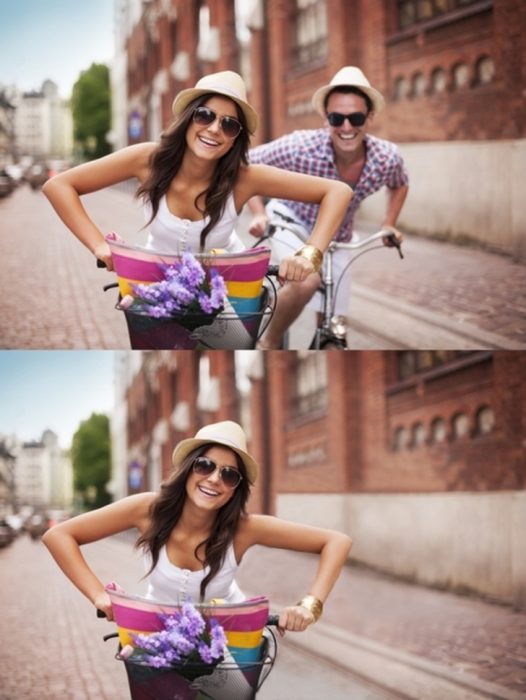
x,y
52,642
440,296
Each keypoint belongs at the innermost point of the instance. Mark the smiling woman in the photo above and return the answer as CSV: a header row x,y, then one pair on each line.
x,y
196,530
196,180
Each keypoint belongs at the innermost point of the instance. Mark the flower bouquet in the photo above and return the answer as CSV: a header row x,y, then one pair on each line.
x,y
188,648
187,293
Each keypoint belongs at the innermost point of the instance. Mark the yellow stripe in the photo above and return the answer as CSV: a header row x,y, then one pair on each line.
x,y
245,640
249,290
125,285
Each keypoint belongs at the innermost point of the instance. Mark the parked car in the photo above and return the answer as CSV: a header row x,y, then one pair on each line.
x,y
37,175
37,525
7,183
7,533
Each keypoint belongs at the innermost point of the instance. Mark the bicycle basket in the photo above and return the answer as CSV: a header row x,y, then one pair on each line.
x,y
249,651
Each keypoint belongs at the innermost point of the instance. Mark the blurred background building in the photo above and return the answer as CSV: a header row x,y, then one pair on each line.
x,y
452,72
419,456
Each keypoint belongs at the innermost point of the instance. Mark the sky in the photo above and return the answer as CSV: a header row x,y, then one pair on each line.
x,y
53,389
53,39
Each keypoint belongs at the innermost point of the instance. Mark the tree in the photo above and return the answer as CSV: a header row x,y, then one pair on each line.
x,y
91,108
91,459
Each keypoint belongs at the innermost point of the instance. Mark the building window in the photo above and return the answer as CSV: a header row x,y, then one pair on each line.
x,y
310,383
460,425
310,31
418,85
401,88
400,439
413,12
460,75
418,435
438,81
484,70
438,431
485,420
413,362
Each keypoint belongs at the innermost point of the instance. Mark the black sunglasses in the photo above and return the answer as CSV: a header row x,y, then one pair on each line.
x,y
229,476
203,116
355,118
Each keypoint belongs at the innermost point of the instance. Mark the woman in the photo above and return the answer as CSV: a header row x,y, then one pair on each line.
x,y
195,531
196,180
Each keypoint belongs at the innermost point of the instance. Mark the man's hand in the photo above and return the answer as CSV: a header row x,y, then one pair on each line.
x,y
387,241
258,225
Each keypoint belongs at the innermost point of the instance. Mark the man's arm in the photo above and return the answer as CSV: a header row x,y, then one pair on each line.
x,y
395,201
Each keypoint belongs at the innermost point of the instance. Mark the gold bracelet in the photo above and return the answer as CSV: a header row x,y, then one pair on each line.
x,y
313,605
312,254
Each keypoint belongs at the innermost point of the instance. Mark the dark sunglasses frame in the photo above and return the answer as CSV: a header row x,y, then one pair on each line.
x,y
204,116
224,472
354,118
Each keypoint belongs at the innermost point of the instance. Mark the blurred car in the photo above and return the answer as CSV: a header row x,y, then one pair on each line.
x,y
7,533
56,516
16,521
37,525
7,183
36,175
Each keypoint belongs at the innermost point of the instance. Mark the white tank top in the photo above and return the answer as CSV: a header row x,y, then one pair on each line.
x,y
170,234
169,584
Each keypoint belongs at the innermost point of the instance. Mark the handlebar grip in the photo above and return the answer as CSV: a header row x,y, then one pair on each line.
x,y
101,613
273,270
273,620
101,263
396,244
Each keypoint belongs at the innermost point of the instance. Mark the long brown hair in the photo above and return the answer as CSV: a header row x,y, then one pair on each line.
x,y
167,508
167,158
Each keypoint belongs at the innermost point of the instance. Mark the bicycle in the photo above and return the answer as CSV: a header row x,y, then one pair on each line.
x,y
250,654
248,309
331,329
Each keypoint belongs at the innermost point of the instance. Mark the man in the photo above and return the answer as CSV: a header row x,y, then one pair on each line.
x,y
341,150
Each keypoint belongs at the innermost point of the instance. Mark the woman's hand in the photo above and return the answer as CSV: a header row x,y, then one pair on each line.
x,y
295,269
102,252
103,602
295,618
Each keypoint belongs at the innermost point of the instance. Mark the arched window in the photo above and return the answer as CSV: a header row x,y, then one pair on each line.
x,y
400,439
438,81
438,431
418,84
460,425
484,70
401,88
485,420
460,76
418,434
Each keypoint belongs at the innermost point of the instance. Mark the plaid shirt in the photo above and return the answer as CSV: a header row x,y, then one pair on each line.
x,y
310,152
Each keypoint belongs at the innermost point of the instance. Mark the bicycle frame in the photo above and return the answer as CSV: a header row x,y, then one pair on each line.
x,y
331,329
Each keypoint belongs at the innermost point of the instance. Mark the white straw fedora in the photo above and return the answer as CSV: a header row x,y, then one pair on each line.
x,y
225,83
348,76
226,433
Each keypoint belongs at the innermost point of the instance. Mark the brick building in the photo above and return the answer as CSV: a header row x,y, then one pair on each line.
x,y
419,456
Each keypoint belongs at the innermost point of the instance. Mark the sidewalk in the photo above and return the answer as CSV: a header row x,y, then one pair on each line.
x,y
420,642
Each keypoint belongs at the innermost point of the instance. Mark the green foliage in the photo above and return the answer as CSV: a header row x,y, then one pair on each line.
x,y
91,459
91,108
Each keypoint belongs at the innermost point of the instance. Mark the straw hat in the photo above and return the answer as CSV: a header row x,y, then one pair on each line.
x,y
226,433
348,76
225,83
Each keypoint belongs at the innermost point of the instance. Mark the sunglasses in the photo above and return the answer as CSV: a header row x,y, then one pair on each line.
x,y
203,116
355,118
229,476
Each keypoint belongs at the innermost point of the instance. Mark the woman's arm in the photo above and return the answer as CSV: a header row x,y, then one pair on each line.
x,y
64,192
65,539
332,546
333,196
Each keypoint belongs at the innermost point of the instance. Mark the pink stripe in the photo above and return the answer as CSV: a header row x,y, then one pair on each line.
x,y
149,271
230,619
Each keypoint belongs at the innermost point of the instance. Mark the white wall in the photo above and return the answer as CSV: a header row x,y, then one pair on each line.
x,y
464,189
453,540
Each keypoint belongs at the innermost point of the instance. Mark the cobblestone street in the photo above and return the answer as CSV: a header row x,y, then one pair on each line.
x,y
440,295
